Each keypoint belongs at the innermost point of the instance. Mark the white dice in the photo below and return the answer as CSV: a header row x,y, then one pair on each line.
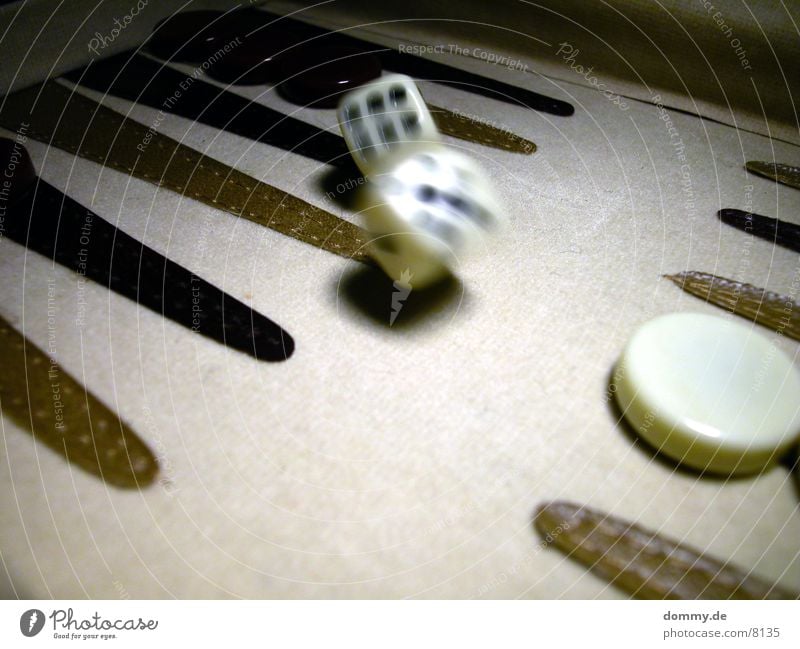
x,y
382,117
426,205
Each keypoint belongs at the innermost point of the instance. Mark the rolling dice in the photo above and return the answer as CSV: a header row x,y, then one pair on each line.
x,y
426,205
427,212
382,117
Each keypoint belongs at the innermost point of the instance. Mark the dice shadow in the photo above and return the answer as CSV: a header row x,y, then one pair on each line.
x,y
792,462
341,185
369,292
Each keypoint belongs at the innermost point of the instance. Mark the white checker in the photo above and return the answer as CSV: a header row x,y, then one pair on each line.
x,y
710,392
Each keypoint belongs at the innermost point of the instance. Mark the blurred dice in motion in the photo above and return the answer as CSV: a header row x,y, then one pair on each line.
x,y
383,117
426,205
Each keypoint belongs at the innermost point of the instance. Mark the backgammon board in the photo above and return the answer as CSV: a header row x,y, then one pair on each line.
x,y
373,447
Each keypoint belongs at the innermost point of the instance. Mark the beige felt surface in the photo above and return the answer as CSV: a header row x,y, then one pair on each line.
x,y
403,461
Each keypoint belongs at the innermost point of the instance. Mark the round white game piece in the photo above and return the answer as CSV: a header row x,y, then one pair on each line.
x,y
710,392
